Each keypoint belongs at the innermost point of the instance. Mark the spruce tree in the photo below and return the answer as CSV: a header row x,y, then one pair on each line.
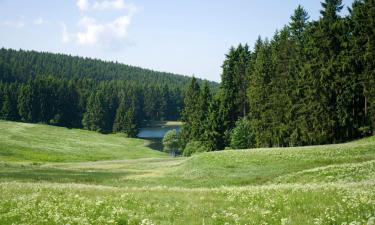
x,y
191,115
8,110
131,123
258,93
93,118
234,84
25,103
363,22
119,124
298,24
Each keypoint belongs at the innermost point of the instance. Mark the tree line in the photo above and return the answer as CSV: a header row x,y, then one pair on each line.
x,y
312,83
86,93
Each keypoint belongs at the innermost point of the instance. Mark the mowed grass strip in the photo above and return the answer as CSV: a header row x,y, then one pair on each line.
x,y
43,143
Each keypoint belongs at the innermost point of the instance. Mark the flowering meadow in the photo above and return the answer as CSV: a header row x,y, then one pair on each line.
x,y
330,184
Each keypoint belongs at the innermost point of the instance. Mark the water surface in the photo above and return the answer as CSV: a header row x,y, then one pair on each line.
x,y
156,132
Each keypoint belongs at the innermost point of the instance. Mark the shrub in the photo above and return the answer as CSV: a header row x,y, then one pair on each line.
x,y
195,147
242,136
170,142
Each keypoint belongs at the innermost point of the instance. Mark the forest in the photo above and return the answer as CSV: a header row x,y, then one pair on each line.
x,y
312,83
86,93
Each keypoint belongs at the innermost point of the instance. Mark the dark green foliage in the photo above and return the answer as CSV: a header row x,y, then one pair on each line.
x,y
78,92
8,102
214,129
312,83
260,93
93,119
170,142
194,115
195,147
363,55
233,90
131,123
242,136
298,24
120,120
27,103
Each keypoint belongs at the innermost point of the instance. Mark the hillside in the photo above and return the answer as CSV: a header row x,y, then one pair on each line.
x,y
78,92
20,65
64,175
35,143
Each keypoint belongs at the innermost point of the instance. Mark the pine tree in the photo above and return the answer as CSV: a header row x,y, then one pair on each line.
x,y
93,118
322,74
205,99
8,110
298,24
258,93
131,123
234,84
298,85
191,115
25,103
119,124
363,20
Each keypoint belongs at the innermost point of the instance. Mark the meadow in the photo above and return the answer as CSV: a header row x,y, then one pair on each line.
x,y
54,175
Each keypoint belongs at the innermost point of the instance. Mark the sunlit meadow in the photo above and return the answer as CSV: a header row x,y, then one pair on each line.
x,y
331,184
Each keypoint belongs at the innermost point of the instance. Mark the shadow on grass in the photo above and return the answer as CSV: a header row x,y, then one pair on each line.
x,y
155,143
59,176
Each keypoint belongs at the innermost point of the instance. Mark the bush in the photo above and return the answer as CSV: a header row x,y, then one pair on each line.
x,y
242,136
195,147
170,142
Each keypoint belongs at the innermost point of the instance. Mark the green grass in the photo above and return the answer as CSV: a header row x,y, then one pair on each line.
x,y
46,203
42,143
52,175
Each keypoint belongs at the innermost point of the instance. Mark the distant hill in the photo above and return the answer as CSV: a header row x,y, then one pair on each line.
x,y
81,92
20,65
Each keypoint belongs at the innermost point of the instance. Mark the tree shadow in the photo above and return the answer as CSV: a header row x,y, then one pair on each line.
x,y
155,143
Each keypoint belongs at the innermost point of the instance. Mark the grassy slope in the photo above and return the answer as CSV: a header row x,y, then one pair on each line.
x,y
329,184
42,143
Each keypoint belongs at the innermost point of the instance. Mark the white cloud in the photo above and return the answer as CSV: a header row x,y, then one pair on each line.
x,y
109,5
102,5
93,32
83,5
13,24
40,21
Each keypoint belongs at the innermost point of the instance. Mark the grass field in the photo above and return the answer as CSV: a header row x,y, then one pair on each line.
x,y
52,175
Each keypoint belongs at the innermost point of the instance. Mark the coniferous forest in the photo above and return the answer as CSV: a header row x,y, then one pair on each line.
x,y
85,93
312,83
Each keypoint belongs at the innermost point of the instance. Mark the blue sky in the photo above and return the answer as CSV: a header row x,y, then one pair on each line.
x,y
185,37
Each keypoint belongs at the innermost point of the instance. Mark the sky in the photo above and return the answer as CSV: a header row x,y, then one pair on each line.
x,y
188,37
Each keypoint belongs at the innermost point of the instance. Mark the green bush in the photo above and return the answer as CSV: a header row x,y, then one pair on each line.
x,y
195,147
170,142
242,136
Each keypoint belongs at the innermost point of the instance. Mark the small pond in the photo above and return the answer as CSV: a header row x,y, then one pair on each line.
x,y
156,132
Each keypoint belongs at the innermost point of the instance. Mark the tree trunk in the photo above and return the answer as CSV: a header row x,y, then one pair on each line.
x,y
365,108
